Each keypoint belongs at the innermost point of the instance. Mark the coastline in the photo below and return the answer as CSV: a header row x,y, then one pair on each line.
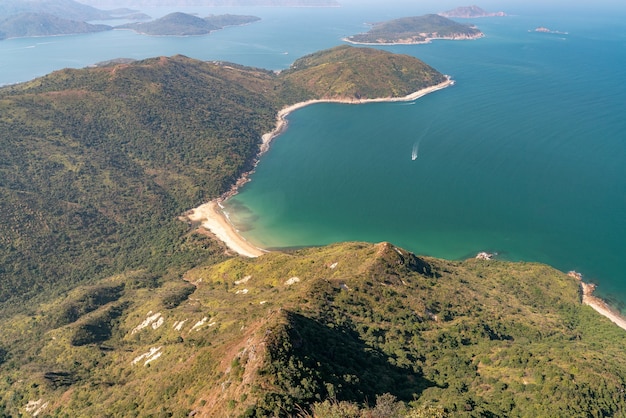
x,y
210,215
425,41
596,303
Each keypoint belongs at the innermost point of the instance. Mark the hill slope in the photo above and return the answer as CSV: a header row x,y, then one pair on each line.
x,y
415,30
98,163
351,322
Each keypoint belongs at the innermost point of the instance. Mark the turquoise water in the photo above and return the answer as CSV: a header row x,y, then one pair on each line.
x,y
525,155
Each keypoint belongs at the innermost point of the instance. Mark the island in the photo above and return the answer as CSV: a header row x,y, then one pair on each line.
x,y
115,300
543,29
183,24
42,24
415,30
470,12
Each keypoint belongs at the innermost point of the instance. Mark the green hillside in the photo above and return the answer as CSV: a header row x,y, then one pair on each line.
x,y
110,305
98,163
40,24
356,73
361,327
415,29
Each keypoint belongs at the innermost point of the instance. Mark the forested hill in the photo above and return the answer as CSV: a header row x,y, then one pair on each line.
x,y
112,306
183,24
348,330
415,29
96,164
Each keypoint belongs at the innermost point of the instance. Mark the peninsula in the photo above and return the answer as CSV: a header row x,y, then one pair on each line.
x,y
415,30
110,305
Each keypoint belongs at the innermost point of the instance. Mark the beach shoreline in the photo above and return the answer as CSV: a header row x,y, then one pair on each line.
x,y
596,303
425,41
211,216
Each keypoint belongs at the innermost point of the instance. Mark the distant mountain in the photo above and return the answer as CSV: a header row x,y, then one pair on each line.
x,y
66,9
212,3
415,30
183,24
42,24
470,12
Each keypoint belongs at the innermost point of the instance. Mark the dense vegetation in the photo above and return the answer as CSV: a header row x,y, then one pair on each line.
x,y
96,164
415,29
346,330
360,73
183,24
40,24
112,306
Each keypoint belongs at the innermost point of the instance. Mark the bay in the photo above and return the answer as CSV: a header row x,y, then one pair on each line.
x,y
525,155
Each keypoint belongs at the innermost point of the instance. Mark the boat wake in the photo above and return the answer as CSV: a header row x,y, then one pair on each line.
x,y
414,153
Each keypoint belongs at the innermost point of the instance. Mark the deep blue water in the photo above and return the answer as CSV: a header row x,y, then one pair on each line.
x,y
525,155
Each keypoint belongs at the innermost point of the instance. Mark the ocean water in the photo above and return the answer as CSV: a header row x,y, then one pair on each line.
x,y
524,156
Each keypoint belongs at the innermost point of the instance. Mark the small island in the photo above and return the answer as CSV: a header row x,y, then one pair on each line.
x,y
415,30
183,24
43,24
543,29
470,12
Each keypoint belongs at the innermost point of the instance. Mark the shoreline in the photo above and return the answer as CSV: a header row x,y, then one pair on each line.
x,y
210,214
425,41
596,303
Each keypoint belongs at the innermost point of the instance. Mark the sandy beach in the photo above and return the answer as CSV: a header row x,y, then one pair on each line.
x,y
596,303
210,214
601,306
212,218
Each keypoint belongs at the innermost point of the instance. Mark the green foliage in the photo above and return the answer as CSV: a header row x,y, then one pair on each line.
x,y
414,30
97,165
360,73
183,24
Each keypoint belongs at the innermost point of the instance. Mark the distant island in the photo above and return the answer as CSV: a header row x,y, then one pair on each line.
x,y
183,24
543,29
43,24
212,3
65,9
470,12
415,30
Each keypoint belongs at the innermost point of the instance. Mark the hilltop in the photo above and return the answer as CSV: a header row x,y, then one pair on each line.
x,y
98,163
415,30
111,305
346,327
183,24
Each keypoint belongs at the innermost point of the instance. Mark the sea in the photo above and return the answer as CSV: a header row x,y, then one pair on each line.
x,y
524,156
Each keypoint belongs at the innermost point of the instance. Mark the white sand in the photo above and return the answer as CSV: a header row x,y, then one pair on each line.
x,y
211,216
600,306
